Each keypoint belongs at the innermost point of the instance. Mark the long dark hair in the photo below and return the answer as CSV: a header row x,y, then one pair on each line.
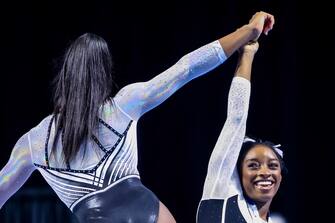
x,y
83,84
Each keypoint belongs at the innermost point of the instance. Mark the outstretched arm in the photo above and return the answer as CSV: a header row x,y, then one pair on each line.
x,y
16,171
138,98
261,22
224,156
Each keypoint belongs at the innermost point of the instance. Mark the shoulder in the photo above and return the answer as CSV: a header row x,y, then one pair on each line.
x,y
134,90
44,123
37,137
130,99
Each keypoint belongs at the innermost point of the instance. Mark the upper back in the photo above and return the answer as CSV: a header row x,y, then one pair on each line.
x,y
43,135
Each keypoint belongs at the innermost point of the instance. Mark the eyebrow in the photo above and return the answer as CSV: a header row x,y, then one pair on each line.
x,y
255,159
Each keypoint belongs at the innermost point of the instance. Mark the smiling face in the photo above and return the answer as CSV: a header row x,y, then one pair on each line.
x,y
261,173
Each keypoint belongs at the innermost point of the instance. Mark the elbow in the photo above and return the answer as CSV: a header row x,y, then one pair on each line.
x,y
237,111
184,65
238,119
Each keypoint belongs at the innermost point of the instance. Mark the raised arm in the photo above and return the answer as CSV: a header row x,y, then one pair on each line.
x,y
138,98
16,171
261,22
224,156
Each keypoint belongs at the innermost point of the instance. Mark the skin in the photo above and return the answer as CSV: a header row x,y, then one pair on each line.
x,y
19,167
261,177
243,40
164,215
261,22
245,59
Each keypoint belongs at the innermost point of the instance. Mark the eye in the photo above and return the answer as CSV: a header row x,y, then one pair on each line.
x,y
253,166
274,165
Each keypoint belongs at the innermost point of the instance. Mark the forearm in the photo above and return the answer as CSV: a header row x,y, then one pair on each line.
x,y
138,98
244,65
203,59
233,41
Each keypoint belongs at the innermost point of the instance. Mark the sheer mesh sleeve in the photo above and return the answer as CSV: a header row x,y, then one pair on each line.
x,y
223,159
138,98
17,170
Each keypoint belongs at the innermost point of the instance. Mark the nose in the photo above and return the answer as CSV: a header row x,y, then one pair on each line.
x,y
264,172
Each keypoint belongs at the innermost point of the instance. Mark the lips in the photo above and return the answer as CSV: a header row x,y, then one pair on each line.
x,y
264,185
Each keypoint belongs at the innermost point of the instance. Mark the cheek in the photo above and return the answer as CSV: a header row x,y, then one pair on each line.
x,y
247,178
247,184
277,175
279,178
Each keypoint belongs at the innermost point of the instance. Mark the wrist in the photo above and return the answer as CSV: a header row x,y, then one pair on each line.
x,y
247,55
253,31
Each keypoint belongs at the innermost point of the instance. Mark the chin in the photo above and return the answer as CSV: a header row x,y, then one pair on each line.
x,y
263,198
264,195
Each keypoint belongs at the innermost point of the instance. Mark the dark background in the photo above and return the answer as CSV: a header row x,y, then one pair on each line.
x,y
292,101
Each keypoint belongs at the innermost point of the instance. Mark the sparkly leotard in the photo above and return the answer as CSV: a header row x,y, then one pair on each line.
x,y
222,199
103,184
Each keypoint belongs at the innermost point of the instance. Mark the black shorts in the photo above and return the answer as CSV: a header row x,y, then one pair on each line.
x,y
127,201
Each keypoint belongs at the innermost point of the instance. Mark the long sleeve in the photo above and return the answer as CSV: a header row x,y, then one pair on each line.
x,y
138,98
221,173
17,170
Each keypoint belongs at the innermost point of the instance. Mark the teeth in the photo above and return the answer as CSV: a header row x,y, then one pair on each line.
x,y
264,183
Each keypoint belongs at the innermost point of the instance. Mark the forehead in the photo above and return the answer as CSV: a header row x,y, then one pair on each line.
x,y
260,152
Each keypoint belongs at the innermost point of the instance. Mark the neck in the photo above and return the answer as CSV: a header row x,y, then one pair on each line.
x,y
263,209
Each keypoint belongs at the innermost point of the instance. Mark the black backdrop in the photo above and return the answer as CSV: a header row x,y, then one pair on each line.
x,y
292,99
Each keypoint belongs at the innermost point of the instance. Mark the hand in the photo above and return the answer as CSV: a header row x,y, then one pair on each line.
x,y
250,48
261,22
245,60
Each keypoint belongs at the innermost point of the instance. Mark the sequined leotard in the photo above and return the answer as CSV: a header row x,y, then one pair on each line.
x,y
222,199
103,184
